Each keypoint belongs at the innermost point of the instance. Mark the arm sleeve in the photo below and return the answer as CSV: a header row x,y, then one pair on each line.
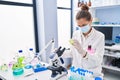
x,y
67,54
97,58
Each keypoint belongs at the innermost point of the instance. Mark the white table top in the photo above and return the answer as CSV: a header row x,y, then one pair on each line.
x,y
44,75
36,76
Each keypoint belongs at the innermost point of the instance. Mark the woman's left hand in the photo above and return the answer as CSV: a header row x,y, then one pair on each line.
x,y
77,45
79,48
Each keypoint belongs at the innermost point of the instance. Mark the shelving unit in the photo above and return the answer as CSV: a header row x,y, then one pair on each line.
x,y
106,25
105,6
112,55
113,48
101,13
111,68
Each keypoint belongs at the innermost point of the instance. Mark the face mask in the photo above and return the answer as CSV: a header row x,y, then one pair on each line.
x,y
85,29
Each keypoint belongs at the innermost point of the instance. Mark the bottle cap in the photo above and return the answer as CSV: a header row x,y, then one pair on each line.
x,y
31,49
20,51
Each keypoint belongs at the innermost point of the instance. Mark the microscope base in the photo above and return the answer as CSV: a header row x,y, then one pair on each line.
x,y
58,76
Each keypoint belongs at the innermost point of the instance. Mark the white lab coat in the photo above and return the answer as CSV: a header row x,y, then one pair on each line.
x,y
90,62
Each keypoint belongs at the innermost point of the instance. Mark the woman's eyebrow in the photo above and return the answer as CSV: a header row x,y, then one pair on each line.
x,y
82,25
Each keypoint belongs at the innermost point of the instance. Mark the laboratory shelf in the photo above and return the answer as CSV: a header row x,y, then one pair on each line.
x,y
112,55
105,25
115,47
105,6
111,68
112,51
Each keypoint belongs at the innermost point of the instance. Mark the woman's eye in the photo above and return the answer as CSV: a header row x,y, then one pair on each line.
x,y
84,24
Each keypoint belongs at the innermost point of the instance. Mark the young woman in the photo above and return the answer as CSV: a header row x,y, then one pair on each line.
x,y
88,44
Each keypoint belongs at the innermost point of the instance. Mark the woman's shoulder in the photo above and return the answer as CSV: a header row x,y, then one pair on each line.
x,y
98,33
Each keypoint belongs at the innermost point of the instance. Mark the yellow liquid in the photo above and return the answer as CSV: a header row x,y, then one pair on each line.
x,y
71,41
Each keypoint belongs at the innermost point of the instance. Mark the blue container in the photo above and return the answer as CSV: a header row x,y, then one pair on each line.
x,y
39,68
18,72
117,39
98,78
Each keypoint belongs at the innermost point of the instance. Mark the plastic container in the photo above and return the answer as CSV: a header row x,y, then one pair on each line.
x,y
117,39
88,75
90,50
28,66
98,78
39,68
4,67
31,52
96,21
30,55
20,53
80,74
18,72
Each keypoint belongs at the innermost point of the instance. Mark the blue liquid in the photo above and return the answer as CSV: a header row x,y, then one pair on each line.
x,y
76,78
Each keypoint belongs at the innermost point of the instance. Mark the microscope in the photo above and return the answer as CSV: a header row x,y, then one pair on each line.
x,y
57,65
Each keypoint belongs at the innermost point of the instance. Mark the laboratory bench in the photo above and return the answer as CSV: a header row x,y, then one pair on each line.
x,y
46,75
8,75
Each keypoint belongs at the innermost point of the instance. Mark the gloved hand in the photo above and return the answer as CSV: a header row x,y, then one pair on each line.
x,y
79,48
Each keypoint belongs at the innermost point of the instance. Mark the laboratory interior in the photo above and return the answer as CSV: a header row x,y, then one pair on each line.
x,y
59,39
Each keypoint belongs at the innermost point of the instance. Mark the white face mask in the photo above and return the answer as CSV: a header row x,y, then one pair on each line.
x,y
85,29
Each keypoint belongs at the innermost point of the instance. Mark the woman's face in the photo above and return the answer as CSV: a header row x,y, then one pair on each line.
x,y
83,22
